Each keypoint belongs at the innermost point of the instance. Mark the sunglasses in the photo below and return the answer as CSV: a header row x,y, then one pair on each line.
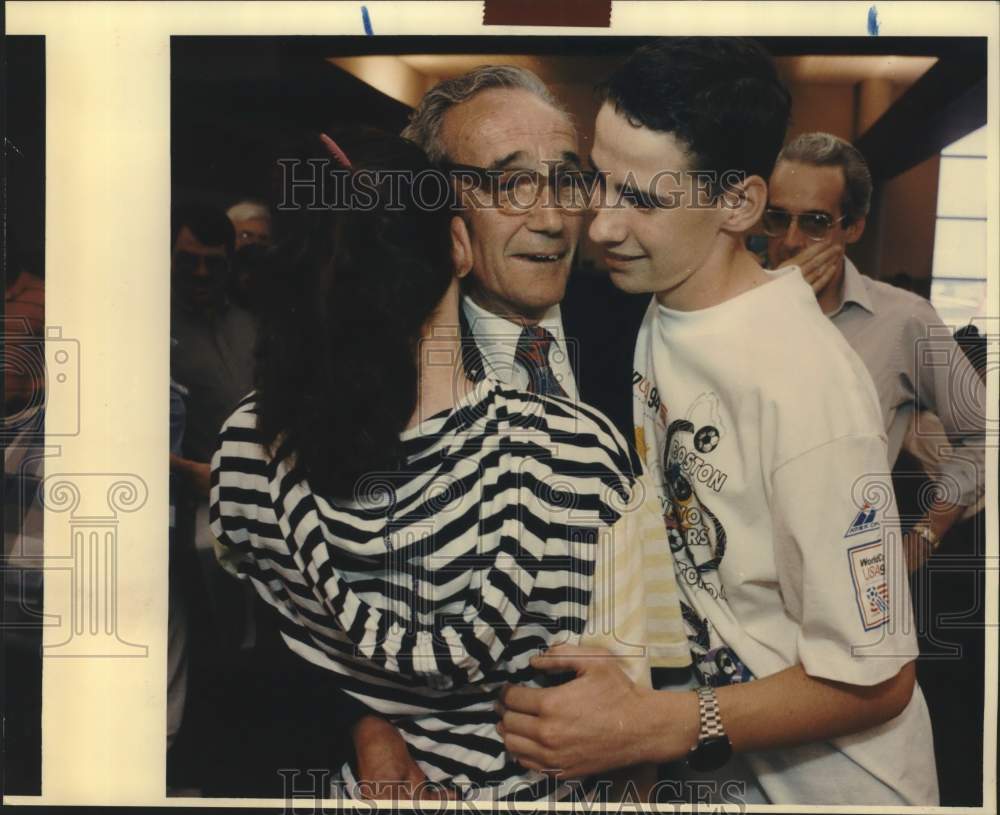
x,y
814,225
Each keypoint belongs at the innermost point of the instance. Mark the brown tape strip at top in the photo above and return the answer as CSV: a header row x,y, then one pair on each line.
x,y
574,13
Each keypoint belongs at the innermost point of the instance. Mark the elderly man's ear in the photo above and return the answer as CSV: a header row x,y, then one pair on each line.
x,y
461,247
744,203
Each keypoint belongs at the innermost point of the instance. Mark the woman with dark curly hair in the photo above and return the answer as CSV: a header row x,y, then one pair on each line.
x,y
420,534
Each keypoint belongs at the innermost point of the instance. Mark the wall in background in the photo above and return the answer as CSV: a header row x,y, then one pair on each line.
x,y
233,98
906,221
822,106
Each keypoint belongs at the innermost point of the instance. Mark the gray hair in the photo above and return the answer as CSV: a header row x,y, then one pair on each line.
x,y
248,211
424,126
827,150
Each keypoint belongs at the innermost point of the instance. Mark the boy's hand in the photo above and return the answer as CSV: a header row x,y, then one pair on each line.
x,y
591,724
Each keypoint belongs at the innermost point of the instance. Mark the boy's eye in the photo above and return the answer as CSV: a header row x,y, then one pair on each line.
x,y
637,199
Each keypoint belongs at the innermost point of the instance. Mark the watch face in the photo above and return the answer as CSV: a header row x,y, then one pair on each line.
x,y
710,754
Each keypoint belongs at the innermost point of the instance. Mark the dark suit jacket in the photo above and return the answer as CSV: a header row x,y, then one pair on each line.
x,y
603,323
600,324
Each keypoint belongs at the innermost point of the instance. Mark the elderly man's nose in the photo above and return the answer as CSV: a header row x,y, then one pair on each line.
x,y
546,216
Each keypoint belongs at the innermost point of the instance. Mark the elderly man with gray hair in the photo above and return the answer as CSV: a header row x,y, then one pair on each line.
x,y
252,222
508,138
819,195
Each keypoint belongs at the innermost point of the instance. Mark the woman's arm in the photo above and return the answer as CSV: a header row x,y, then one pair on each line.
x,y
600,720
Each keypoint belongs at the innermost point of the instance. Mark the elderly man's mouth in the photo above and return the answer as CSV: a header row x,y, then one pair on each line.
x,y
553,257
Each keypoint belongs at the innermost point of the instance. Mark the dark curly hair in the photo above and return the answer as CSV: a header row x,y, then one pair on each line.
x,y
351,290
720,97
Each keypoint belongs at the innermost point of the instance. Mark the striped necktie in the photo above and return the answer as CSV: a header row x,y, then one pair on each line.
x,y
532,353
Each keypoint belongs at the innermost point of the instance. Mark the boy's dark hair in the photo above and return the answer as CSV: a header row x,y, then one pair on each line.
x,y
207,223
720,97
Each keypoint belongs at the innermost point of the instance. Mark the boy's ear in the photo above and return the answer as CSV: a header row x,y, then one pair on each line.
x,y
461,247
743,203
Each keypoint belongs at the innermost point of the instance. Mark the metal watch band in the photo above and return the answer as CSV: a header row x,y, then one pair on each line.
x,y
708,712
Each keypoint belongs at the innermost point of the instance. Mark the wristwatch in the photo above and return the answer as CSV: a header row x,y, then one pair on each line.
x,y
713,749
928,535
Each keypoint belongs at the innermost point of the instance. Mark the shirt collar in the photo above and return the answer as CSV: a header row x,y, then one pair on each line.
x,y
497,336
855,289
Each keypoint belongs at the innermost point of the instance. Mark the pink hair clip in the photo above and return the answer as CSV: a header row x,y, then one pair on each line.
x,y
334,149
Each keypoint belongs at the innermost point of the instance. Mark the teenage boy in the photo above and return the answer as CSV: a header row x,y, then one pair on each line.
x,y
762,431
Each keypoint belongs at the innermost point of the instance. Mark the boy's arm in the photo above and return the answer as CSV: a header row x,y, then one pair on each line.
x,y
600,720
841,576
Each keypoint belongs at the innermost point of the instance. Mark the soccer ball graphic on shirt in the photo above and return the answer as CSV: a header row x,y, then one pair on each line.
x,y
706,439
705,415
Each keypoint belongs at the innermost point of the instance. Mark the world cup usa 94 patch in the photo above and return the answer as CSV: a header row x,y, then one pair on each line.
x,y
870,587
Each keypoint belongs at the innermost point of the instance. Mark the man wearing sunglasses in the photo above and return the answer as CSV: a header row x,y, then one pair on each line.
x,y
819,195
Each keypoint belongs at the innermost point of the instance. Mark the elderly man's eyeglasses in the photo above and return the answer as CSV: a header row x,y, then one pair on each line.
x,y
515,191
814,225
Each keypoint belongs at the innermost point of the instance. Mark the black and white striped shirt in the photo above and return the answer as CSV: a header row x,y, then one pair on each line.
x,y
436,584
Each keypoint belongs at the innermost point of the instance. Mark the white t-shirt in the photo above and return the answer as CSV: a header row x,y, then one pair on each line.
x,y
762,431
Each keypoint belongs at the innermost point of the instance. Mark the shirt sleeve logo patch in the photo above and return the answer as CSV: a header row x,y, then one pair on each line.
x,y
864,521
870,588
